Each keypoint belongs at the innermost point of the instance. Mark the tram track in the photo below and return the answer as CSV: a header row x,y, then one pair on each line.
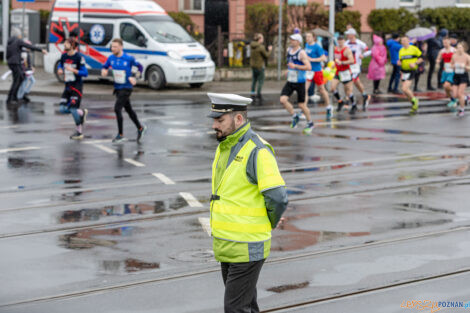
x,y
270,261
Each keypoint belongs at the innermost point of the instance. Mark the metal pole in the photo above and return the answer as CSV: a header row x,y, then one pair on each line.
x,y
5,27
22,21
332,30
279,42
79,7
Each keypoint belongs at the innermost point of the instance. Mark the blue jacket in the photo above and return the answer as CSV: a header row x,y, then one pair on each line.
x,y
394,47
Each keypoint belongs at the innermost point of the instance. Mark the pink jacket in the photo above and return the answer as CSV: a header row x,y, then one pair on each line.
x,y
378,61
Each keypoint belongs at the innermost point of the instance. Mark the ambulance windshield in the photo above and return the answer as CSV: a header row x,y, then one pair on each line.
x,y
166,31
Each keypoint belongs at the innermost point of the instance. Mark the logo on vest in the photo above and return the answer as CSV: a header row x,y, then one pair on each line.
x,y
238,158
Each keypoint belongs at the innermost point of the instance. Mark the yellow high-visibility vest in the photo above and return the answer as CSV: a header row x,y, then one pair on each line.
x,y
238,210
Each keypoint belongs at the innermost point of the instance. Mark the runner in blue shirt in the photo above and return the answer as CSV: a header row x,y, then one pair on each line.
x,y
316,55
121,65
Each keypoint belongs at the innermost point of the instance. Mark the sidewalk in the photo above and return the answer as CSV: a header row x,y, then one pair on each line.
x,y
47,85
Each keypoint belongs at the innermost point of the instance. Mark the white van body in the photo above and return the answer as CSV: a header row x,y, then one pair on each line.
x,y
166,51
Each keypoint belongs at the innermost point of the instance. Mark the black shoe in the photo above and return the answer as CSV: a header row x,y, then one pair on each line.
x,y
353,109
26,99
417,90
396,92
340,105
431,88
76,136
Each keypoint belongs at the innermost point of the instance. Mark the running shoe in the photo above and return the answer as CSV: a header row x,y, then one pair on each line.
x,y
340,105
76,136
452,104
309,128
329,111
295,120
118,139
353,109
85,113
366,102
141,132
461,113
414,106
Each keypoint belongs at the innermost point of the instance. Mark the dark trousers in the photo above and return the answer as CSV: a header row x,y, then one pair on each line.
x,y
432,66
240,286
18,77
394,79
439,74
257,78
123,101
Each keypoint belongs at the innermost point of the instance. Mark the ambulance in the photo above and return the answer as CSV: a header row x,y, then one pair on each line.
x,y
167,52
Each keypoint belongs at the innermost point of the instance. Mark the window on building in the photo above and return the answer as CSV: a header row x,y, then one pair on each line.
x,y
407,2
194,6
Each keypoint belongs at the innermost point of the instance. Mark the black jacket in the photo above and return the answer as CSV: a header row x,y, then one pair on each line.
x,y
14,50
434,46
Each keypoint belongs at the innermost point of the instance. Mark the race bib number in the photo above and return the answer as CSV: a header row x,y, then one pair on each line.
x,y
309,75
119,76
69,76
355,68
345,76
405,76
448,68
459,68
292,76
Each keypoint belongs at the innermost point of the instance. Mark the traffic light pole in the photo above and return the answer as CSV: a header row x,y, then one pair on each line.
x,y
332,30
279,42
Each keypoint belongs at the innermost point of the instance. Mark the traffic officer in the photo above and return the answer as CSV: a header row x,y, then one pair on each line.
x,y
248,199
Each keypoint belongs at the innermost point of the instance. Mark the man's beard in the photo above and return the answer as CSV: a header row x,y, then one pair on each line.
x,y
223,136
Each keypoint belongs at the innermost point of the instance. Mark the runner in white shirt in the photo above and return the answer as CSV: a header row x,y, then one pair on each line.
x,y
359,50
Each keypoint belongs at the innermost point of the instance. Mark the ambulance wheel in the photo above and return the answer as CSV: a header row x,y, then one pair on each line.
x,y
196,85
60,78
155,77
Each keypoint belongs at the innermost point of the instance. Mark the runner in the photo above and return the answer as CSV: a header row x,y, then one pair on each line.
x,y
359,50
409,57
343,59
297,63
121,64
461,65
72,66
316,55
447,77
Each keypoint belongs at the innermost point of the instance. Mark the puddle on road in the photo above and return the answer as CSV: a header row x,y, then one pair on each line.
x,y
145,208
86,239
288,287
196,255
129,265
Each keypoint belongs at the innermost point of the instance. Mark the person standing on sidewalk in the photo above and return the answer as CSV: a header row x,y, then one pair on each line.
x,y
409,60
316,56
121,64
258,58
247,202
29,80
297,65
72,66
394,47
434,45
14,49
377,63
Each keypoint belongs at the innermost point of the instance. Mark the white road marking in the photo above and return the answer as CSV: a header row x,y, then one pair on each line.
x,y
134,162
163,178
105,149
18,149
206,224
11,126
92,142
192,201
157,118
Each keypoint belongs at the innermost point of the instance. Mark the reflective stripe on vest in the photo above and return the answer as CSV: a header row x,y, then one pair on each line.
x,y
240,212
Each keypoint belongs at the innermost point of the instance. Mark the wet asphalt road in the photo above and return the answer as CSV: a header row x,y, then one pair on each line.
x,y
378,209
